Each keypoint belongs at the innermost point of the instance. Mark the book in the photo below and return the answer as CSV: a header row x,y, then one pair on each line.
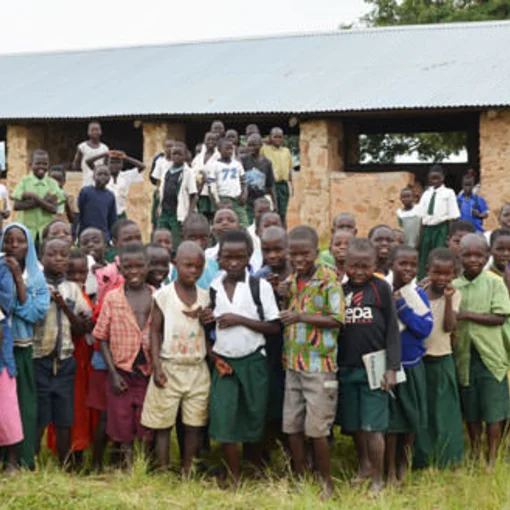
x,y
375,365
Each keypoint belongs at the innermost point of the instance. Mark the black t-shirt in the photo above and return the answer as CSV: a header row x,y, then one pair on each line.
x,y
171,191
370,324
259,177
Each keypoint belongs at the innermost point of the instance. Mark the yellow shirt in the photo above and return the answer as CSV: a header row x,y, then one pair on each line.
x,y
281,159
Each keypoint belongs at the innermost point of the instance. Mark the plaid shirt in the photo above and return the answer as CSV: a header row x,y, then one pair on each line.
x,y
117,325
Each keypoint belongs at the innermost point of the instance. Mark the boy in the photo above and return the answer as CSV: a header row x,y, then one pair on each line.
x,y
500,251
121,180
218,128
224,221
54,364
442,443
158,259
408,218
67,210
163,237
93,243
371,324
342,221
456,231
164,163
259,175
240,373
86,150
383,238
97,205
37,196
178,349
472,207
260,206
339,243
437,207
178,192
480,353
503,220
123,329
281,160
314,311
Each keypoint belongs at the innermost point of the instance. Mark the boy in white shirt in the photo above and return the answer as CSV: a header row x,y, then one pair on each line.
x,y
437,207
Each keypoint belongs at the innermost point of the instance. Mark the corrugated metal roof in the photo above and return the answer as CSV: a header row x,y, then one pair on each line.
x,y
421,66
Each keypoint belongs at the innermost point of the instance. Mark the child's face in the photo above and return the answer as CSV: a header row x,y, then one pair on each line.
x,y
474,257
339,244
59,177
197,235
164,238
504,217
227,150
56,256
398,238
277,138
178,156
441,273
260,209
302,254
405,268
134,269
467,186
500,252
60,230
254,144
102,176
275,253
224,221
189,268
407,198
159,261
115,166
233,259
16,244
92,243
218,128
232,136
40,165
435,179
453,242
383,241
127,235
344,223
210,141
77,271
360,267
167,147
270,220
95,132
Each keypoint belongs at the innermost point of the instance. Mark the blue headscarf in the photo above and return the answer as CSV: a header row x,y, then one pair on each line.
x,y
6,303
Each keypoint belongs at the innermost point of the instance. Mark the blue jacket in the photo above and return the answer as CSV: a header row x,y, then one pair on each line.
x,y
418,327
6,304
35,308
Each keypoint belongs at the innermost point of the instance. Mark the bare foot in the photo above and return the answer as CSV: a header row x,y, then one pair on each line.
x,y
327,491
392,479
376,489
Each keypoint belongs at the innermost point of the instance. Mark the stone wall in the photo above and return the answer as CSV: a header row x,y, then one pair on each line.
x,y
495,161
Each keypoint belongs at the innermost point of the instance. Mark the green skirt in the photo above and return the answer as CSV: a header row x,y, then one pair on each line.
x,y
408,411
432,237
239,401
205,206
442,443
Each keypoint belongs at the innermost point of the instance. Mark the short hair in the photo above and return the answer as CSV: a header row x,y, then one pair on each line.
x,y
474,237
119,225
38,152
223,141
496,234
402,248
132,249
407,188
195,221
77,253
361,244
274,129
441,255
93,123
252,127
154,246
46,230
304,233
161,229
377,227
180,145
191,246
225,203
503,208
47,242
58,168
261,201
468,177
436,169
236,236
273,231
461,226
88,229
262,217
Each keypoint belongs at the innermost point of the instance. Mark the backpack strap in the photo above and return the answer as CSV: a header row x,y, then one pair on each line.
x,y
255,294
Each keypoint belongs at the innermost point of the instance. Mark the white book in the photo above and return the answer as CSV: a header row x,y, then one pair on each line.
x,y
413,301
375,365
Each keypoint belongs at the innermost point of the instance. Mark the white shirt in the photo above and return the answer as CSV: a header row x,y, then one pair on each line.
x,y
445,206
199,165
188,187
5,204
89,152
121,188
256,260
227,178
91,281
239,341
160,168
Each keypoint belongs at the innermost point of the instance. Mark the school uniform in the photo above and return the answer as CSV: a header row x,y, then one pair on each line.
x,y
481,352
437,207
199,165
311,386
129,346
182,359
239,401
120,188
442,443
409,221
371,324
469,204
89,152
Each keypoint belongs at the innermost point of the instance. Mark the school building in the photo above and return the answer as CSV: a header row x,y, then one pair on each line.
x,y
331,89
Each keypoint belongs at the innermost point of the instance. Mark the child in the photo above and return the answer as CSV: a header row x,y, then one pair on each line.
x,y
178,350
503,220
480,354
343,221
442,443
93,243
31,306
398,237
66,211
408,218
457,230
218,128
55,366
383,238
281,160
160,164
259,175
163,237
408,412
251,129
158,259
339,242
5,204
58,229
37,196
122,329
11,431
178,192
240,373
371,324
500,251
226,178
472,207
437,207
97,204
314,312
86,150
224,221
260,207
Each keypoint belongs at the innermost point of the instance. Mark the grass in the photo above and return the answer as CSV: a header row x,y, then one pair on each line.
x,y
468,486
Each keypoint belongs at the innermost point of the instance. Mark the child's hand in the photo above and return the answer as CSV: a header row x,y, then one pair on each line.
x,y
288,317
449,291
14,267
88,323
118,384
284,288
274,281
205,315
51,198
160,378
229,320
117,154
389,380
29,196
223,367
397,295
57,297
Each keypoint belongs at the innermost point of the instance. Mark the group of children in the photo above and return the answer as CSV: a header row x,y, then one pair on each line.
x,y
257,338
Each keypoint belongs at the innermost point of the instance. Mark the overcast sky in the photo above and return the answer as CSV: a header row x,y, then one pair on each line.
x,y
42,25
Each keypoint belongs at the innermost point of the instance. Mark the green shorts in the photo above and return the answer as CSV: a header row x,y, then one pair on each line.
x,y
360,407
408,411
239,401
485,399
